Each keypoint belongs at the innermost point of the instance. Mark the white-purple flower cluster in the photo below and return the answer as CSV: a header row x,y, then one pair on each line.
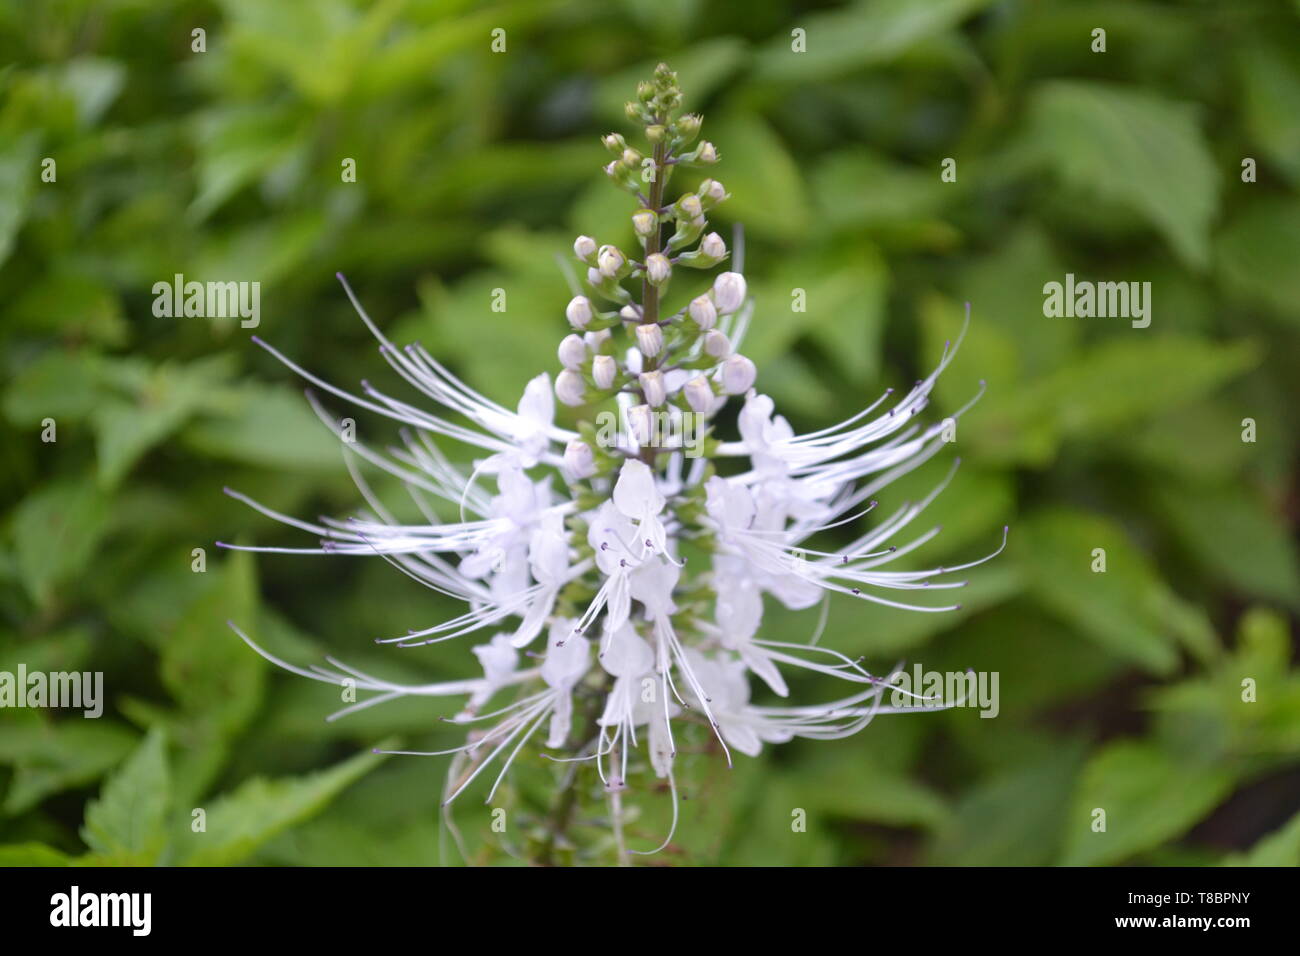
x,y
570,551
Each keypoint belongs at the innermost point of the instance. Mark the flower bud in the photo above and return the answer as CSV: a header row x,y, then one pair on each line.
x,y
614,142
632,313
712,246
604,370
655,133
703,313
728,292
578,311
572,352
688,127
630,158
690,208
569,388
699,395
640,422
652,386
609,261
579,459
716,345
645,222
711,192
658,268
584,247
738,374
596,340
707,153
645,91
632,111
650,339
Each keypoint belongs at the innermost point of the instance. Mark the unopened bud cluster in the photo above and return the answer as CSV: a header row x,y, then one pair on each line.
x,y
633,340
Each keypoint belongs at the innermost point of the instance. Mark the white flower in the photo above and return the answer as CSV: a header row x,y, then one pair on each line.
x,y
738,374
572,352
658,268
570,388
578,311
644,222
729,292
703,312
502,536
652,386
568,658
637,496
579,459
650,339
610,261
640,420
603,371
716,344
699,395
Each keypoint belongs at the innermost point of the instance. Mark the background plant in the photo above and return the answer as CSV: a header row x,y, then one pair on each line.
x,y
1119,690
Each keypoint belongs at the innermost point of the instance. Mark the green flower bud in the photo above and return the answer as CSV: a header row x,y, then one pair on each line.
x,y
688,127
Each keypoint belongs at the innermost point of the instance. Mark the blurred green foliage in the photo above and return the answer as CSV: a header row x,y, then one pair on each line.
x,y
1120,690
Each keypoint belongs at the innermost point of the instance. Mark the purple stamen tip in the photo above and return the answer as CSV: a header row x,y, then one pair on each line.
x,y
257,339
220,544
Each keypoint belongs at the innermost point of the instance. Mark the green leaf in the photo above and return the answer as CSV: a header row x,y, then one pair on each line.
x,y
1134,148
59,385
235,146
983,833
1234,534
1127,608
126,429
767,191
1270,80
56,531
205,665
32,854
126,823
861,790
1094,396
1279,848
49,758
19,174
868,33
859,189
241,821
1256,254
268,426
1147,797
